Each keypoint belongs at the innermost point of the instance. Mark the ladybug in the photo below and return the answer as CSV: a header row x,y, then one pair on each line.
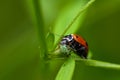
x,y
75,43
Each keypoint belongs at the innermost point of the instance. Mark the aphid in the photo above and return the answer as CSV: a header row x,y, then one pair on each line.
x,y
74,43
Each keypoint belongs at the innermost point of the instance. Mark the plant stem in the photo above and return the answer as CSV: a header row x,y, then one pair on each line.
x,y
40,27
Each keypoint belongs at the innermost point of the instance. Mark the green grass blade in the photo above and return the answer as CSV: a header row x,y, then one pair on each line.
x,y
40,27
102,64
67,69
71,18
78,15
97,63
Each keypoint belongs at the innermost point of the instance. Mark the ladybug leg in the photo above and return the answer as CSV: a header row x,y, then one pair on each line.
x,y
83,57
83,53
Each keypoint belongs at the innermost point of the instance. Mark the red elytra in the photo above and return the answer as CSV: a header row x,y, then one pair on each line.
x,y
80,40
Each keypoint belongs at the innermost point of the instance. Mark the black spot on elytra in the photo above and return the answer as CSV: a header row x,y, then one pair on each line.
x,y
76,36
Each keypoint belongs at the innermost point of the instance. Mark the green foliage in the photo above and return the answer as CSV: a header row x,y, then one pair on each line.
x,y
40,26
50,41
67,69
70,18
30,31
102,64
68,23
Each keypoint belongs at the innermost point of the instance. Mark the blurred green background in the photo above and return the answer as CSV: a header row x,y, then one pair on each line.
x,y
19,48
